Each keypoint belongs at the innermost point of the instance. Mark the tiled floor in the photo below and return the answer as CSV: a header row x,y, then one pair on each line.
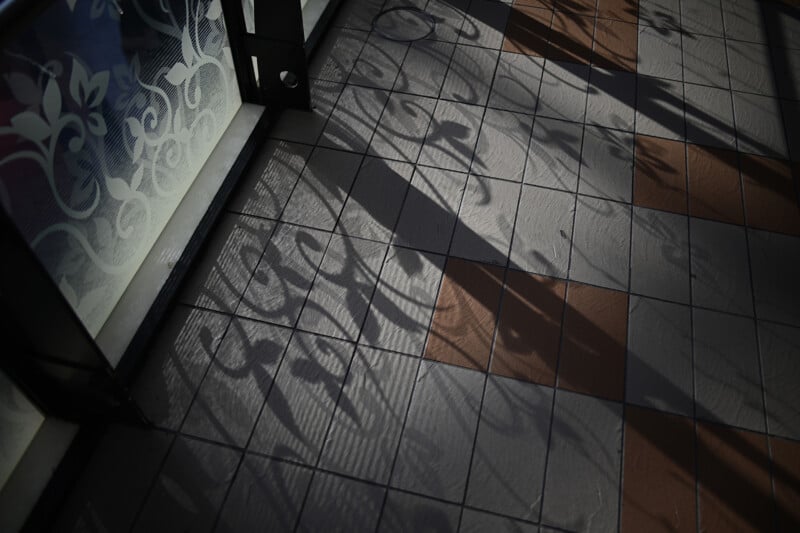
x,y
536,273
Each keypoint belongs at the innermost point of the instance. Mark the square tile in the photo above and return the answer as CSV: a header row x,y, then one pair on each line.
x,y
659,53
449,16
470,75
571,38
660,366
353,120
337,54
705,61
424,68
612,99
601,243
444,416
528,30
578,7
786,469
486,220
759,128
743,21
709,116
502,145
606,164
727,373
379,63
357,14
475,522
452,136
715,190
516,83
660,174
563,91
770,196
615,45
625,10
529,329
750,68
402,127
659,108
702,17
484,24
350,505
409,512
466,313
720,268
660,255
301,126
776,285
554,154
660,13
779,348
593,350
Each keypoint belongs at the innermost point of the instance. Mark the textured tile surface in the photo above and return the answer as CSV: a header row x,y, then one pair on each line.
x,y
452,136
660,174
779,346
543,231
606,164
351,505
660,255
408,512
563,92
776,287
554,154
502,145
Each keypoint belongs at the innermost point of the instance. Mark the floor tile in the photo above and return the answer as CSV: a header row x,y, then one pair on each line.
x,y
593,350
554,154
583,467
601,243
759,129
705,61
424,68
374,203
770,197
341,293
402,127
733,480
791,119
529,328
660,255
776,286
787,72
660,54
266,494
484,24
469,77
781,22
351,505
709,116
302,400
510,449
434,454
379,63
727,373
606,164
715,190
486,220
357,14
337,54
408,512
233,391
430,210
476,522
611,100
615,45
786,472
750,68
658,492
563,92
502,145
659,371
401,309
353,120
659,108
452,136
323,187
578,7
449,16
660,174
702,17
296,125
516,83
720,273
660,13
366,425
571,38
779,348
543,231
743,21
528,30
465,314
625,10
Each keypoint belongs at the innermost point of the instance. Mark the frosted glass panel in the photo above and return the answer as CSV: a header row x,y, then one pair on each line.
x,y
108,110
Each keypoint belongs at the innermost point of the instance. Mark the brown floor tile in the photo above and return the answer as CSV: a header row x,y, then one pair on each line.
x,y
624,10
786,475
581,7
770,199
465,314
715,190
544,4
733,479
658,492
571,38
593,353
529,329
659,179
615,45
528,30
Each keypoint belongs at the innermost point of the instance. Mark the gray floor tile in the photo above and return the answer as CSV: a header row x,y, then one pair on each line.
x,y
502,145
407,512
401,309
776,285
659,108
452,136
660,255
266,496
720,270
783,25
601,243
424,68
660,13
786,65
659,53
449,16
203,472
340,296
582,486
469,77
516,83
379,63
659,367
300,405
369,418
353,120
607,164
357,14
554,154
337,54
779,348
234,389
791,118
702,16
374,203
705,61
709,116
612,99
434,454
338,504
477,522
283,277
508,462
750,68
485,24
486,220
431,209
322,189
743,20
306,126
727,374
176,363
543,231
759,127
563,91
401,130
